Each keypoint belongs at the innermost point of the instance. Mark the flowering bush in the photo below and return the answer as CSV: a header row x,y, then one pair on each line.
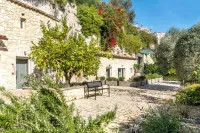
x,y
114,19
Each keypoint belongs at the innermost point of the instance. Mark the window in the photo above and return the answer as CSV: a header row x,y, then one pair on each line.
x,y
139,60
22,23
131,70
108,72
121,72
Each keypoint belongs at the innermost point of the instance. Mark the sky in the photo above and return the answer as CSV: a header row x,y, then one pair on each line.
x,y
160,15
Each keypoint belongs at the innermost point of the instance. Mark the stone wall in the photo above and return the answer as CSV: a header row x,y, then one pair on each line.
x,y
19,40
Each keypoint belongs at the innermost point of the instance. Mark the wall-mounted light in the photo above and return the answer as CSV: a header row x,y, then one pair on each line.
x,y
25,53
13,67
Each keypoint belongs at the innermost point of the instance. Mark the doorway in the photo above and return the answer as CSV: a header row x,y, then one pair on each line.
x,y
21,71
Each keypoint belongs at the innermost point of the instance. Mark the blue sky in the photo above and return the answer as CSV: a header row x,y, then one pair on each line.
x,y
160,15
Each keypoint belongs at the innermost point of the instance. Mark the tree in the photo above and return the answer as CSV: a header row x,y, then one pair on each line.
x,y
165,51
147,38
66,56
126,4
90,20
132,44
187,52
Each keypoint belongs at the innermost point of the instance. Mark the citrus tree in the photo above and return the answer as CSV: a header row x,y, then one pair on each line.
x,y
65,55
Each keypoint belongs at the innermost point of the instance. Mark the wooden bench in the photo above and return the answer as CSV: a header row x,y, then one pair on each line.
x,y
95,86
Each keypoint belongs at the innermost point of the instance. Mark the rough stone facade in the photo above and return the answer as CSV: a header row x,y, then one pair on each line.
x,y
20,23
19,39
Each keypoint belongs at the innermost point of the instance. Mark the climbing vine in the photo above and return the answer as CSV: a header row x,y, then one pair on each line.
x,y
114,19
90,20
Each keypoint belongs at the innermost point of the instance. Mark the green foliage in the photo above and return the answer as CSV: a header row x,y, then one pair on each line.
x,y
189,95
132,44
46,110
165,50
126,4
66,56
186,53
150,68
2,88
88,2
33,80
137,67
121,78
147,38
112,79
114,19
102,78
153,76
172,71
90,20
161,120
138,78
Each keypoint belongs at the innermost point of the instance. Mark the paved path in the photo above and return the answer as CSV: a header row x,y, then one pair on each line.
x,y
131,102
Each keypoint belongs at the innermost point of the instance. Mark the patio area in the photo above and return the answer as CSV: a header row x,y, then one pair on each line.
x,y
131,102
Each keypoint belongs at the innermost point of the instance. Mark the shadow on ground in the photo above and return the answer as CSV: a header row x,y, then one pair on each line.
x,y
164,86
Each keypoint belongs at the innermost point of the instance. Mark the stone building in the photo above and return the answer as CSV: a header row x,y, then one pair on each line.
x,y
20,23
159,36
20,26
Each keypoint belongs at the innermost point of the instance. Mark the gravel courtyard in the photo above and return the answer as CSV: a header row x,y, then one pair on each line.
x,y
131,102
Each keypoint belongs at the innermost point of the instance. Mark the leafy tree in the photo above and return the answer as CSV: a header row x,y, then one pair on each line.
x,y
90,20
147,39
165,51
126,4
186,55
132,44
66,56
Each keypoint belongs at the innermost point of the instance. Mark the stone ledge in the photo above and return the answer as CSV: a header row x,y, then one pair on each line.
x,y
34,9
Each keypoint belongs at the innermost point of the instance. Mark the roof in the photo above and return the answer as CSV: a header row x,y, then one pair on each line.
x,y
2,37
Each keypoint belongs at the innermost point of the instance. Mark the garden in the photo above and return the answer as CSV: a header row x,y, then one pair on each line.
x,y
135,107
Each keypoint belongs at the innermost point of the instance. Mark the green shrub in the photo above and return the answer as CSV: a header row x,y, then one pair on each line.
x,y
189,95
102,78
45,111
2,88
112,79
90,20
153,76
137,67
121,78
150,68
172,71
136,79
161,121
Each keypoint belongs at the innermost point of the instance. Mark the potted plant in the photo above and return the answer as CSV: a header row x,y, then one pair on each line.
x,y
137,68
102,78
143,80
112,81
136,81
149,81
